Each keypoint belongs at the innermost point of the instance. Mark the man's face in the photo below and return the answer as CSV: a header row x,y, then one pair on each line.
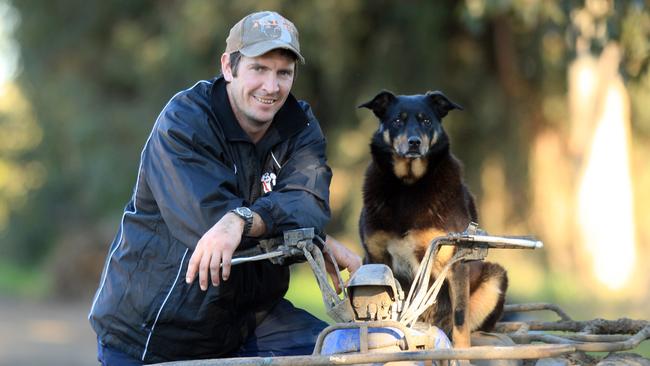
x,y
260,88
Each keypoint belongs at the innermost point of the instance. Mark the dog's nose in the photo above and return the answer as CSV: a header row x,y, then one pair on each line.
x,y
414,142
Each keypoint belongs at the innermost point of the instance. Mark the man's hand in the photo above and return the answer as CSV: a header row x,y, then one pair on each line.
x,y
214,251
345,258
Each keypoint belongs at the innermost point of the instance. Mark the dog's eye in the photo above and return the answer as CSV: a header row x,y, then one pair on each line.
x,y
426,122
397,122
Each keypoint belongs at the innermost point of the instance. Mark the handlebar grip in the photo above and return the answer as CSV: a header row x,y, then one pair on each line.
x,y
500,242
510,242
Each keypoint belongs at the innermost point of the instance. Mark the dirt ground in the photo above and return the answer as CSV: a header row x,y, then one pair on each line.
x,y
45,333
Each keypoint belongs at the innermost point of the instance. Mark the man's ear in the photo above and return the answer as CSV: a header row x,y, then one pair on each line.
x,y
379,103
440,103
225,67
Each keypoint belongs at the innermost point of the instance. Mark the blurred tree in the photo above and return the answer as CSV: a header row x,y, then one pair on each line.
x,y
20,172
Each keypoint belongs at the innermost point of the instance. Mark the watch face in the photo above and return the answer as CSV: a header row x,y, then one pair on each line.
x,y
244,211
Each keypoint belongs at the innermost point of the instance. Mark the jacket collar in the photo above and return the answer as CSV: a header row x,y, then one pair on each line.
x,y
289,120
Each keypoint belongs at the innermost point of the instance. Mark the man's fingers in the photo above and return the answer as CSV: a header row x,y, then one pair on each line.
x,y
354,263
337,287
192,266
225,266
204,268
215,263
213,253
331,271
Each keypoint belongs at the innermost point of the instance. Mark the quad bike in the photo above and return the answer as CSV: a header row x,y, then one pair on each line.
x,y
376,323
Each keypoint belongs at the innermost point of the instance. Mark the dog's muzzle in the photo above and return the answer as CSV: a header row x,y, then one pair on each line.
x,y
413,150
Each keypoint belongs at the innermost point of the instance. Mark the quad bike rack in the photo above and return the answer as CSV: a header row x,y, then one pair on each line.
x,y
564,339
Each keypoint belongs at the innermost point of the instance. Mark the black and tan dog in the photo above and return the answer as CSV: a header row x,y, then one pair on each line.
x,y
414,192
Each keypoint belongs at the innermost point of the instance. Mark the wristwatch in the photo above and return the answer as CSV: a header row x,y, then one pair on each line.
x,y
247,215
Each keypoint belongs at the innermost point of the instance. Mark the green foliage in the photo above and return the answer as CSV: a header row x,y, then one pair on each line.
x,y
19,280
304,293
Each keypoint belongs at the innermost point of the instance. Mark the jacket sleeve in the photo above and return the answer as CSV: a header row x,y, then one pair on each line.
x,y
192,187
301,195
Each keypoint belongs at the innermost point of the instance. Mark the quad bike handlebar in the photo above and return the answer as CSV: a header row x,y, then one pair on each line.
x,y
289,247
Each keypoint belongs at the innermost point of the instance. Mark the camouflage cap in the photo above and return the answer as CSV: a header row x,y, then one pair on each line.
x,y
261,32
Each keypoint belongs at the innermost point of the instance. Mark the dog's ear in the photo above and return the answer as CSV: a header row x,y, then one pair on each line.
x,y
379,103
440,103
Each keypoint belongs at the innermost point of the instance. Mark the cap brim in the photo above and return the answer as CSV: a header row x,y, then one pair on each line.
x,y
261,48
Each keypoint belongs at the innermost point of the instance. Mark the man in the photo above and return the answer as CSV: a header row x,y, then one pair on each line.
x,y
228,160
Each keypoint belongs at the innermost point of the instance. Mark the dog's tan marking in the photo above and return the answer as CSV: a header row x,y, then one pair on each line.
x,y
401,167
405,251
445,253
403,260
426,144
376,244
401,144
386,136
401,250
423,238
418,167
434,139
483,301
409,170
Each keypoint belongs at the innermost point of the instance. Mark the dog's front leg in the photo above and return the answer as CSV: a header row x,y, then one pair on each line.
x,y
459,291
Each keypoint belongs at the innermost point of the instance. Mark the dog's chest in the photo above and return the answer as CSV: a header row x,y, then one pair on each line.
x,y
403,253
394,206
404,212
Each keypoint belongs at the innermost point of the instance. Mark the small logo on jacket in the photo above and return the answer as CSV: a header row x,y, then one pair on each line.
x,y
268,182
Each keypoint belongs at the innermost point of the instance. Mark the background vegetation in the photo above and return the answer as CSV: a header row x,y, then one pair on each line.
x,y
91,77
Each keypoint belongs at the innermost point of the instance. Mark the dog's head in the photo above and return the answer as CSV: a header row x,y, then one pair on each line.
x,y
411,124
410,128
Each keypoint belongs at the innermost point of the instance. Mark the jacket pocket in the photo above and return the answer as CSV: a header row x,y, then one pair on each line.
x,y
168,292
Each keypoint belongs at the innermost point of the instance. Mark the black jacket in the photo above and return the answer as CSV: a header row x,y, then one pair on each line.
x,y
196,165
